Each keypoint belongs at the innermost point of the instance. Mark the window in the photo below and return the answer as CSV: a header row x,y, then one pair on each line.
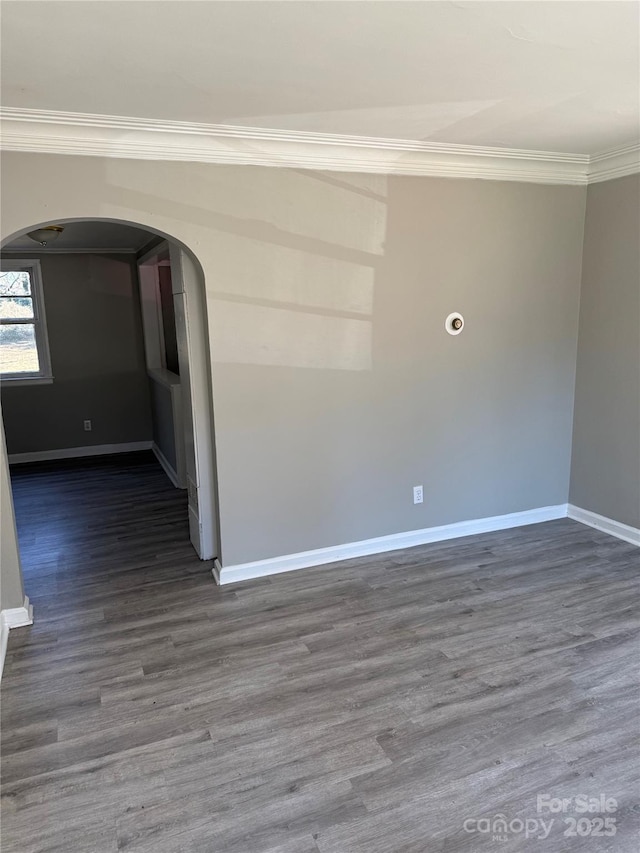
x,y
24,348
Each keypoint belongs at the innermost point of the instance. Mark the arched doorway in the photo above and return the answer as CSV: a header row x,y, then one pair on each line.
x,y
187,291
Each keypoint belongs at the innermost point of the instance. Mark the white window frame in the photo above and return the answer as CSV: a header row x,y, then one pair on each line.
x,y
39,322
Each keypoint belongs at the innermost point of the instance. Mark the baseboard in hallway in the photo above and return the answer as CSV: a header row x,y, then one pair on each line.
x,y
78,452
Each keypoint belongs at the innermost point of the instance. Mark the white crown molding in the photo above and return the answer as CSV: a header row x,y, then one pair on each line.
x,y
45,131
53,132
394,542
614,164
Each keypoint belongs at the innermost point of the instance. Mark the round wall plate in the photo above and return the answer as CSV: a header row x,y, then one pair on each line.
x,y
454,323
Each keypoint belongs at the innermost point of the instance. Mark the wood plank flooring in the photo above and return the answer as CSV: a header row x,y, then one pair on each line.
x,y
368,707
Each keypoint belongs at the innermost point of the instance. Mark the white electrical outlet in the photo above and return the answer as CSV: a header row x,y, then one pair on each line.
x,y
87,426
418,496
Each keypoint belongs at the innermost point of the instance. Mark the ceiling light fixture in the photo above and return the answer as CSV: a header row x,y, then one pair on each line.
x,y
46,235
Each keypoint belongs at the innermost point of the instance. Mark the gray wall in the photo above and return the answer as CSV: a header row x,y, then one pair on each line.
x,y
11,590
605,469
97,357
339,386
335,386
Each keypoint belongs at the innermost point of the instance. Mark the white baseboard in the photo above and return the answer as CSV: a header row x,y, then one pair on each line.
x,y
394,542
13,617
78,452
18,617
169,470
606,525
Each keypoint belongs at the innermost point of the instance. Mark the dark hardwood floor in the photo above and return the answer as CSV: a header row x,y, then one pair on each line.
x,y
369,707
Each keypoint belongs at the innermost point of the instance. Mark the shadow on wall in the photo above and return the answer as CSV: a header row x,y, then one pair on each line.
x,y
303,294
325,421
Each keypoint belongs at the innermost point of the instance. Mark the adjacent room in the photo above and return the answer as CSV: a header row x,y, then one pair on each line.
x,y
320,465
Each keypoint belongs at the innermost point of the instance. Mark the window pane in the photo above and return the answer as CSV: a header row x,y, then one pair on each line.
x,y
15,283
16,307
18,351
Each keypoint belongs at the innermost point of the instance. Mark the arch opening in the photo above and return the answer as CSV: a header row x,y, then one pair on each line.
x,y
192,389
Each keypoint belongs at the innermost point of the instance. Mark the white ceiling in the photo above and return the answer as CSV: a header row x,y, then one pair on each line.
x,y
552,76
90,235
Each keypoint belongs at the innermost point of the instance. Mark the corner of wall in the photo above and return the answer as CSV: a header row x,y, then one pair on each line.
x,y
577,341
